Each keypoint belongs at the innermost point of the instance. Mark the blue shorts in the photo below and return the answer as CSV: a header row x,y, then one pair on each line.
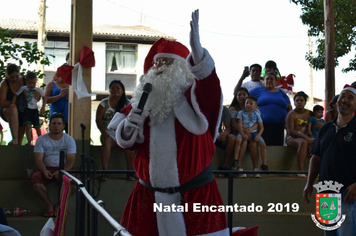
x,y
253,135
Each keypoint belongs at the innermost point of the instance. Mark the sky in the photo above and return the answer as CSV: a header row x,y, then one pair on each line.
x,y
236,33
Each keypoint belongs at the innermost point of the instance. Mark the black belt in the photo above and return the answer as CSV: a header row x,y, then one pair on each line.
x,y
203,178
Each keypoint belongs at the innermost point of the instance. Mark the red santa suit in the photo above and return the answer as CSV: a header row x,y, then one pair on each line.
x,y
171,154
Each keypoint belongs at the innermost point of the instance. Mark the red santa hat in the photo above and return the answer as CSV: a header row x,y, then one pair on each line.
x,y
350,88
165,48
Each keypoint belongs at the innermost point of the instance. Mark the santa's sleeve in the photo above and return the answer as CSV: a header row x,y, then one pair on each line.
x,y
205,94
114,128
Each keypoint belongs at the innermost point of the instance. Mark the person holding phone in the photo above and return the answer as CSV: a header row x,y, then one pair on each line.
x,y
255,73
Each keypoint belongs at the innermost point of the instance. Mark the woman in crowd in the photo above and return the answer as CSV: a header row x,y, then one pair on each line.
x,y
274,105
9,112
331,113
297,123
104,113
57,96
238,104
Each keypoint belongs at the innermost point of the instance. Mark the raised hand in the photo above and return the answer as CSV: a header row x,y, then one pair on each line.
x,y
197,50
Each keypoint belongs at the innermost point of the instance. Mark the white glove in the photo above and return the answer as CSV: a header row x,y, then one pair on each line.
x,y
197,50
133,125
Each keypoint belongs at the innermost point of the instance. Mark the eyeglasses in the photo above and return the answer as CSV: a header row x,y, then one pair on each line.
x,y
163,61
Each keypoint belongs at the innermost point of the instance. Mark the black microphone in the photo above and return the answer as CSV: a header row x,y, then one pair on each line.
x,y
147,88
83,126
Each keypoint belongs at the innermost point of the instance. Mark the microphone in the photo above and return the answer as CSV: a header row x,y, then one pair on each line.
x,y
83,126
147,88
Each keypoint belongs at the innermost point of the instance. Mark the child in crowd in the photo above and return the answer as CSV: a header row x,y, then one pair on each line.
x,y
315,121
245,119
31,114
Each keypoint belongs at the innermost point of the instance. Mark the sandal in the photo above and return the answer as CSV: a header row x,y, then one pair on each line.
x,y
12,143
131,177
104,177
48,214
56,210
301,176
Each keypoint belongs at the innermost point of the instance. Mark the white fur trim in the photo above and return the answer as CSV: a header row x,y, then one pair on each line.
x,y
216,134
224,232
163,154
193,120
350,89
170,223
164,173
115,121
204,68
124,143
168,55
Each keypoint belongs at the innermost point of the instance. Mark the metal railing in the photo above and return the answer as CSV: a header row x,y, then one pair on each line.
x,y
82,197
230,178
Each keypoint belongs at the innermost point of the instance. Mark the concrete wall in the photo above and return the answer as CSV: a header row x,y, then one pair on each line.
x,y
17,192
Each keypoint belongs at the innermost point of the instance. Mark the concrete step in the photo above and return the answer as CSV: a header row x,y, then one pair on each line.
x,y
278,158
265,191
18,159
272,224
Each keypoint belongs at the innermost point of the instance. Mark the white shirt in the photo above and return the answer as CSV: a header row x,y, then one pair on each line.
x,y
31,101
251,84
51,148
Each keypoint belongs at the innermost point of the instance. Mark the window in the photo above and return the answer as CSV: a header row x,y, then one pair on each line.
x,y
59,50
121,58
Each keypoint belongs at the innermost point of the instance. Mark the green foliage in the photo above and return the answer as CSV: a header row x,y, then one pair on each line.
x,y
345,29
21,55
25,54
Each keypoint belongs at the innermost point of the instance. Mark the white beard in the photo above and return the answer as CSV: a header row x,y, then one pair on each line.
x,y
167,83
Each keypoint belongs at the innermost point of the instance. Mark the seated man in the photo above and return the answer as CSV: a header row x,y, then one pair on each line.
x,y
47,150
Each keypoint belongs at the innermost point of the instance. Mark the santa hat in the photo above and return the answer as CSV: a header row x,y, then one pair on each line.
x,y
73,75
165,48
349,88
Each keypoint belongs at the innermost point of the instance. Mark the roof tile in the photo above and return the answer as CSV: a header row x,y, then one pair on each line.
x,y
63,27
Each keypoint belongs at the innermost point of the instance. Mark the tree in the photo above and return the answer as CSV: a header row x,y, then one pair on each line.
x,y
19,54
345,30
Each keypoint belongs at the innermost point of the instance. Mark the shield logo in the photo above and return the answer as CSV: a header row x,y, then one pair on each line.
x,y
328,208
328,205
348,137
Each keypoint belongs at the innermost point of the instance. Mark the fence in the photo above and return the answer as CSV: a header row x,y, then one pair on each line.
x,y
92,227
80,210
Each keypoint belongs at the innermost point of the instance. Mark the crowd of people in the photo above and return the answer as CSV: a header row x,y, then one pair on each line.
x,y
271,122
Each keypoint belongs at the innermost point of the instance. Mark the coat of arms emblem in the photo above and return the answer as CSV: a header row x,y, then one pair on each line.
x,y
328,206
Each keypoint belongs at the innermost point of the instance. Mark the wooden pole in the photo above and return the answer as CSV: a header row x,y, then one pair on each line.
x,y
311,94
329,51
41,34
81,35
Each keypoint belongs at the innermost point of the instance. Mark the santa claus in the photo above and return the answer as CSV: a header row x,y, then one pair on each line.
x,y
174,135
